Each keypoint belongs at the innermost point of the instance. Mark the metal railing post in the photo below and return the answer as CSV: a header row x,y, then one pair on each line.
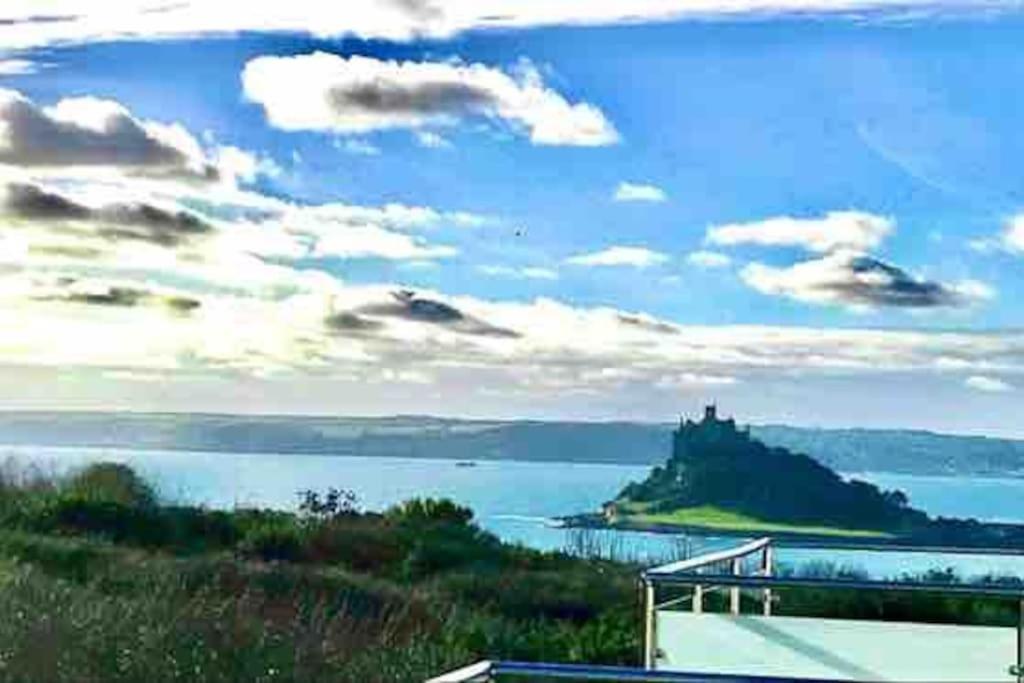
x,y
734,592
650,646
766,570
1019,669
698,599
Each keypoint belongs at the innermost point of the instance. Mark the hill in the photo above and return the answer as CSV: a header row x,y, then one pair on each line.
x,y
900,451
845,450
714,466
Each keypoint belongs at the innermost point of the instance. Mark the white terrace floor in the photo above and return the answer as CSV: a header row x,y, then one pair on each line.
x,y
833,648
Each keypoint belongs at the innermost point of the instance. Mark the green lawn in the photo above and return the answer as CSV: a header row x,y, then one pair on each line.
x,y
716,518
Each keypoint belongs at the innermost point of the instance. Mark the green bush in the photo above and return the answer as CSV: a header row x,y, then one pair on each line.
x,y
273,540
113,520
425,511
110,482
366,543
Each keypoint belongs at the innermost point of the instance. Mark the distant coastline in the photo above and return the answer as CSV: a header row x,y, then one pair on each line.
x,y
844,450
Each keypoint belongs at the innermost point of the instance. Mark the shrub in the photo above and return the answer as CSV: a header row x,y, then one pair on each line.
x,y
333,504
111,483
366,543
110,519
273,540
420,511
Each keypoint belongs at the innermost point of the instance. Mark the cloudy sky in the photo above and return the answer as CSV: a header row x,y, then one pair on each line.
x,y
809,211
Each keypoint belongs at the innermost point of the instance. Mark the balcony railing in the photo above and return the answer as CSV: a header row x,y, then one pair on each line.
x,y
729,613
729,617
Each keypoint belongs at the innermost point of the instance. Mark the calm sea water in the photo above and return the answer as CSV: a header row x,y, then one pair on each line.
x,y
516,500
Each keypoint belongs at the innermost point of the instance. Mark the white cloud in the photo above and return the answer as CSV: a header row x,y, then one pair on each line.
x,y
17,67
689,380
370,241
859,281
353,95
636,257
846,273
432,140
392,216
836,230
239,165
525,273
90,20
708,259
991,385
358,147
1013,239
636,192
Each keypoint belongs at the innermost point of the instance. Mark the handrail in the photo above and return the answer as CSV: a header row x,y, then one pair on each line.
x,y
895,547
484,672
755,581
710,558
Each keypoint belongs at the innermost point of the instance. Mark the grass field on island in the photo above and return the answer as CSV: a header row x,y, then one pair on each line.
x,y
711,517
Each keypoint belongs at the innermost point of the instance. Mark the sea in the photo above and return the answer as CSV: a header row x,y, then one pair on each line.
x,y
521,501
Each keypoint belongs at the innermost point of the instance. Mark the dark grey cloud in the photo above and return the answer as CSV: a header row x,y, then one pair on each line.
x,y
66,251
36,138
407,305
424,98
32,202
138,221
860,280
40,19
118,296
645,324
113,296
882,284
422,10
351,323
148,223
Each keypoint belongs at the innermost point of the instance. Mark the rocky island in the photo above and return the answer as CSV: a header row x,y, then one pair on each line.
x,y
719,479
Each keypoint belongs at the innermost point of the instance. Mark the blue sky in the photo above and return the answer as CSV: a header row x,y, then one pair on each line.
x,y
817,218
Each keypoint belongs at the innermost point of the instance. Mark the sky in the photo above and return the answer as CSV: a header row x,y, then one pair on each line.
x,y
810,212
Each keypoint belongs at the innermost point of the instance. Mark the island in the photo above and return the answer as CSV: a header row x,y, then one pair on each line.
x,y
719,479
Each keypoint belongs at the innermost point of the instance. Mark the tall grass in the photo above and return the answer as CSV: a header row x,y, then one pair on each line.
x,y
599,544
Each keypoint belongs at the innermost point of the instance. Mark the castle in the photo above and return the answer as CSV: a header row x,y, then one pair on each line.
x,y
711,429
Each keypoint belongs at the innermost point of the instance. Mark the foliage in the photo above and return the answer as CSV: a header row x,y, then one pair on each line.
x,y
425,511
334,503
272,540
109,482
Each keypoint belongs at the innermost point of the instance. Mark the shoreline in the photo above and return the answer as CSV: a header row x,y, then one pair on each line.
x,y
479,459
1012,535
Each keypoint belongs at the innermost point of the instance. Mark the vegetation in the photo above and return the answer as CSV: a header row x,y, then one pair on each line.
x,y
99,581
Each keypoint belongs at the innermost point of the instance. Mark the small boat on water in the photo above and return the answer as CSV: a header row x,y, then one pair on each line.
x,y
465,463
